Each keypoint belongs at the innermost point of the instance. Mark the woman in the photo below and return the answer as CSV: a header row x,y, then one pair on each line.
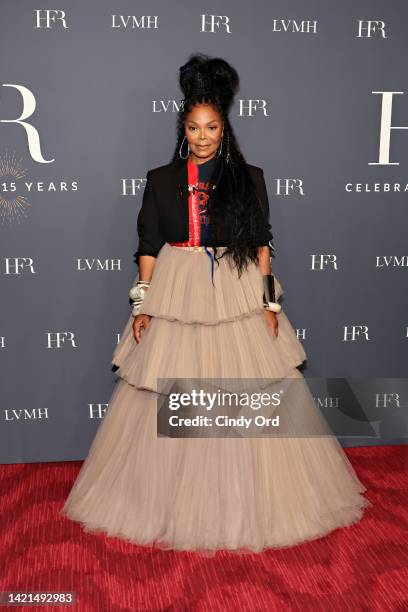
x,y
205,309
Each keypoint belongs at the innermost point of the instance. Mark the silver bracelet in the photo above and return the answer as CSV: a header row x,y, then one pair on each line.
x,y
269,299
137,294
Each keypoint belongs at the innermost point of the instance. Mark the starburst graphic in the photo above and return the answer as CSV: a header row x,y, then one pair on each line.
x,y
12,208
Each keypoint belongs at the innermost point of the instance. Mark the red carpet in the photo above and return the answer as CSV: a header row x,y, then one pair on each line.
x,y
362,567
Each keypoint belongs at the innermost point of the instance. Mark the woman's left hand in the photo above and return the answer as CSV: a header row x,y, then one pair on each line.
x,y
272,321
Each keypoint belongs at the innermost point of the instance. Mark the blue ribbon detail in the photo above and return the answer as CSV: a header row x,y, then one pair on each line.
x,y
211,256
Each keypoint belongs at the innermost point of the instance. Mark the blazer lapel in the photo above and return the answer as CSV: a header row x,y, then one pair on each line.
x,y
179,178
180,175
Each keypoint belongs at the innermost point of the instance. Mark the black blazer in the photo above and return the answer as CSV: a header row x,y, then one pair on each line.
x,y
163,216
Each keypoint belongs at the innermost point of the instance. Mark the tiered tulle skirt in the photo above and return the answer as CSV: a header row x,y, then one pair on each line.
x,y
203,494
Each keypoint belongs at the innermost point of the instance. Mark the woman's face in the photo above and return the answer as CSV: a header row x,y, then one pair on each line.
x,y
203,128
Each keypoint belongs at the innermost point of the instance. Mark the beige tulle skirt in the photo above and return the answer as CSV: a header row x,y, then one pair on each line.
x,y
241,494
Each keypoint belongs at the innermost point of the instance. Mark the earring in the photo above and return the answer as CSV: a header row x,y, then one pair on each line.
x,y
228,156
181,146
222,138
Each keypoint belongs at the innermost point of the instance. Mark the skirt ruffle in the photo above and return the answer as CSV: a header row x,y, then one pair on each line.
x,y
180,290
205,494
191,332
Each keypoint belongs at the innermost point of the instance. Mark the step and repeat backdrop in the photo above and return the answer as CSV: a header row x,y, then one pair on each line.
x,y
88,104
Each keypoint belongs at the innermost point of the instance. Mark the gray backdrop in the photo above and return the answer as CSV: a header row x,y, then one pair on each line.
x,y
94,86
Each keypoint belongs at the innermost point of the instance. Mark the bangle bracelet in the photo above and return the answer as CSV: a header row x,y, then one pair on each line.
x,y
138,290
137,295
269,299
273,306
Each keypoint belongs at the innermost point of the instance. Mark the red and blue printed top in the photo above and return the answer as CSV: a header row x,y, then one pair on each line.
x,y
199,175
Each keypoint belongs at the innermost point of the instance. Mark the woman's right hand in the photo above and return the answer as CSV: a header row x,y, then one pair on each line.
x,y
141,322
